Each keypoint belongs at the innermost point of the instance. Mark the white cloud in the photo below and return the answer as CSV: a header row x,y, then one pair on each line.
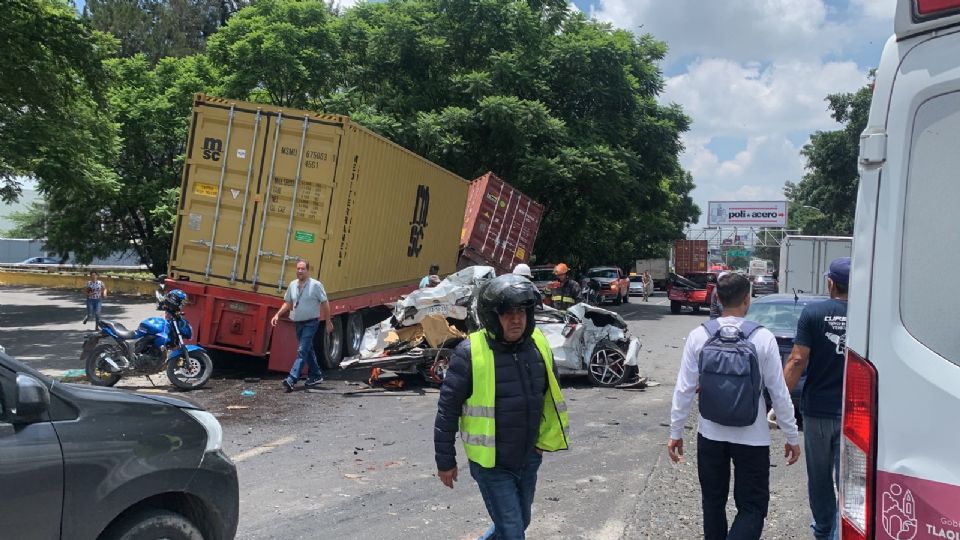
x,y
742,30
756,173
877,9
725,97
755,71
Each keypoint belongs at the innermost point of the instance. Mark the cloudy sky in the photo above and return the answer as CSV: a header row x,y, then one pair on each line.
x,y
753,75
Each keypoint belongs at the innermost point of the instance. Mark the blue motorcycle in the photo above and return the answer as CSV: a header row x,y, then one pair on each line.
x,y
157,343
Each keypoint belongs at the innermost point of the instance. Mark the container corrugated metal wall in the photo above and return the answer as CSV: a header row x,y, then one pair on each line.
x,y
500,225
263,186
690,256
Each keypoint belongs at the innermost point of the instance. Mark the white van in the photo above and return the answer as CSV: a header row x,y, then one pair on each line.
x,y
900,448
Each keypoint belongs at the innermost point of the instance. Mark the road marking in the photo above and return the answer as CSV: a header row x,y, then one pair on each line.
x,y
257,450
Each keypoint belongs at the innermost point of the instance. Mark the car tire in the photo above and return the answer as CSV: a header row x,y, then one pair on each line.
x,y
675,307
151,524
607,367
696,308
618,300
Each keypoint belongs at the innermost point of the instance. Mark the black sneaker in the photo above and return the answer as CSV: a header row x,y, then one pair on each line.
x,y
313,383
287,387
85,319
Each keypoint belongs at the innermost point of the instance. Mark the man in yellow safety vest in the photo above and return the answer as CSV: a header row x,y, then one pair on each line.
x,y
502,394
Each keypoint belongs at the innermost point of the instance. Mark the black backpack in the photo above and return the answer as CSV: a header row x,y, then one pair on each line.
x,y
730,381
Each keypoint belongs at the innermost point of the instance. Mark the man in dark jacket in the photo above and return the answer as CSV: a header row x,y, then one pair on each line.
x,y
501,394
565,291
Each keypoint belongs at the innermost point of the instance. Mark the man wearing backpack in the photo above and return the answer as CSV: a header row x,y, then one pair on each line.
x,y
728,361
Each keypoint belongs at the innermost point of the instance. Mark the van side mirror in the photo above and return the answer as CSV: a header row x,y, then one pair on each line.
x,y
32,398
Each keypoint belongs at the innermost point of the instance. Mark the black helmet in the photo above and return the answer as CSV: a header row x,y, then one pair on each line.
x,y
502,294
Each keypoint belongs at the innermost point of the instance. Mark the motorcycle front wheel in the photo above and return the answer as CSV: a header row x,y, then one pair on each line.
x,y
191,372
98,369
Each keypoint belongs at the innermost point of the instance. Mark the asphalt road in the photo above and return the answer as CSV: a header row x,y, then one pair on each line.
x,y
321,464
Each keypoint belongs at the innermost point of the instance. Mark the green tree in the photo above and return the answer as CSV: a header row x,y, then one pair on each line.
x,y
52,94
160,28
279,51
824,201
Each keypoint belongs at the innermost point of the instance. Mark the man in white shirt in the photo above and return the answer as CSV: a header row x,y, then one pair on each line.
x,y
747,447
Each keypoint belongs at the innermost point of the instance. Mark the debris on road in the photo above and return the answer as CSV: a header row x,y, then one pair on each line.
x,y
429,323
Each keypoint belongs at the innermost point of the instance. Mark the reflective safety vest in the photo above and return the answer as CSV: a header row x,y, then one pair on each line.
x,y
562,296
478,418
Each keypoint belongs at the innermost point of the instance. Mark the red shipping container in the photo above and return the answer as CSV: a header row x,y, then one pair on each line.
x,y
500,225
690,256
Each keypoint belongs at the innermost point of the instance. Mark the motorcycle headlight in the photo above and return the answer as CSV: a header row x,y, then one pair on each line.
x,y
212,427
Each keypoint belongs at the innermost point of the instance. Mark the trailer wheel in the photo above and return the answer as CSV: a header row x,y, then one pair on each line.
x,y
675,307
353,333
332,344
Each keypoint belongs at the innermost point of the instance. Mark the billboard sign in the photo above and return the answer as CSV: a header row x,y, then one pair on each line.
x,y
747,213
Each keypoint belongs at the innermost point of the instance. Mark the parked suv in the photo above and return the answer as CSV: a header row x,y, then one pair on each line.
x,y
764,285
83,462
613,284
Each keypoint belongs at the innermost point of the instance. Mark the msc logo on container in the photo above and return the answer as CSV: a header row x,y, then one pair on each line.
x,y
212,148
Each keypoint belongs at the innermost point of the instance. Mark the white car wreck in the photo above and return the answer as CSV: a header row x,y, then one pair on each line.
x,y
429,323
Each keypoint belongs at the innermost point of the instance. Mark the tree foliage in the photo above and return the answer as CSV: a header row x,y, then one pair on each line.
x,y
561,106
160,28
824,201
52,92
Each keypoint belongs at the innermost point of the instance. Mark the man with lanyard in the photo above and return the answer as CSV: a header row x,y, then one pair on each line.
x,y
306,300
566,292
818,349
501,389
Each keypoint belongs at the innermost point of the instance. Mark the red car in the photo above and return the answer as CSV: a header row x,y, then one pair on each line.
x,y
692,290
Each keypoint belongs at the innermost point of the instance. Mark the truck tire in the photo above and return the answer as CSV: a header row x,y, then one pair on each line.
x,y
332,344
675,307
696,308
353,333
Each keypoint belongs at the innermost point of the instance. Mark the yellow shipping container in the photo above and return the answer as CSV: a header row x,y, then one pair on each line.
x,y
264,185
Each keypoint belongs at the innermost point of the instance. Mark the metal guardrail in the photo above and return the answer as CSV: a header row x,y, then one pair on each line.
x,y
74,267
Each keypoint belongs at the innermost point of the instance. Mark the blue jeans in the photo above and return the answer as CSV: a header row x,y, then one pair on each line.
x,y
93,309
508,496
821,444
305,353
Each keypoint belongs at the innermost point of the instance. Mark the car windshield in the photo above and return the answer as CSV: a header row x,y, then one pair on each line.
x,y
544,274
602,273
636,279
776,317
765,278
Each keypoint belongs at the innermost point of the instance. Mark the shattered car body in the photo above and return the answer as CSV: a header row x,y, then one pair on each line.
x,y
429,323
589,340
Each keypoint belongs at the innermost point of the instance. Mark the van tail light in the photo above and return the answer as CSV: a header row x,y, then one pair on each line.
x,y
930,7
858,449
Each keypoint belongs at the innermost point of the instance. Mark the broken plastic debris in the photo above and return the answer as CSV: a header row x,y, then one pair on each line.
x,y
248,393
